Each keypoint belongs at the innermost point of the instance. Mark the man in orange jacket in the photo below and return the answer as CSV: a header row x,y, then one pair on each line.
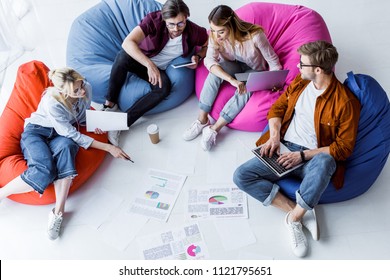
x,y
317,119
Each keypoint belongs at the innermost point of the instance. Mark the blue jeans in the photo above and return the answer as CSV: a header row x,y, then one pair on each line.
x,y
256,179
49,156
211,88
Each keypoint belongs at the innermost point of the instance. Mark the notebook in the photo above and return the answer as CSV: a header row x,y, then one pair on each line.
x,y
263,80
272,163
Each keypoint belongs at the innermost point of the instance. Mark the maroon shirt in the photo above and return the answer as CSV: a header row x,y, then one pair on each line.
x,y
157,35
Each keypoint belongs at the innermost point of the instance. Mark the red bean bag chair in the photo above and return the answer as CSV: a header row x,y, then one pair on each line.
x,y
30,83
287,27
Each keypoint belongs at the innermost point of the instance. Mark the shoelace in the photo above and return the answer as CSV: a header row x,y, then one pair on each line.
x,y
194,126
296,233
56,223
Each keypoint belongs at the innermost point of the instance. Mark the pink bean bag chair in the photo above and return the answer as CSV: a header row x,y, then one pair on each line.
x,y
287,27
30,83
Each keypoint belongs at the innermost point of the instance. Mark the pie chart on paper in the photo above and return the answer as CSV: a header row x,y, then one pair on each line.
x,y
193,250
218,199
152,194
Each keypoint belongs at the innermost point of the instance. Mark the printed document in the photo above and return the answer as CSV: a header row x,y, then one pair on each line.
x,y
216,202
158,194
184,243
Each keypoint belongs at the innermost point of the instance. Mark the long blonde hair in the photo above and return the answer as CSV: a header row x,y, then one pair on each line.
x,y
240,30
63,80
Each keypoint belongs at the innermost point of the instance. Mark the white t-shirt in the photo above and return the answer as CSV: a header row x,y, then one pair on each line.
x,y
172,49
301,130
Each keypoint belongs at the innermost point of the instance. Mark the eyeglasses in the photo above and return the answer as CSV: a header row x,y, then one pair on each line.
x,y
179,25
301,65
77,90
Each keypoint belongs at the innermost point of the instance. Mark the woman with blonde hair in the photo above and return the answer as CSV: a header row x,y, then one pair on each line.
x,y
51,139
234,46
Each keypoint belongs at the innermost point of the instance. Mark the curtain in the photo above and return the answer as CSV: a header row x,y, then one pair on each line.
x,y
11,31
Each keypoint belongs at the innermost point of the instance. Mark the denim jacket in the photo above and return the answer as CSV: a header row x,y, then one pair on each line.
x,y
52,113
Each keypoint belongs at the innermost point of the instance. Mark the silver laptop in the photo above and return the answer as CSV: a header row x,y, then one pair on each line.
x,y
272,163
263,80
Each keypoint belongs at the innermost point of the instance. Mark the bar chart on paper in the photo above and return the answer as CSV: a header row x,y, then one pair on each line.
x,y
159,182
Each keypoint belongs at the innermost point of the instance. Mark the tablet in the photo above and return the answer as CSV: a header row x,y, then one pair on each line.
x,y
183,64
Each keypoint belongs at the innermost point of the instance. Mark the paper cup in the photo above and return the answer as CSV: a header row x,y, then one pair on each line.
x,y
153,132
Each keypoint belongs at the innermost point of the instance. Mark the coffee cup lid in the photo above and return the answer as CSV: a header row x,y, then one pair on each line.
x,y
151,129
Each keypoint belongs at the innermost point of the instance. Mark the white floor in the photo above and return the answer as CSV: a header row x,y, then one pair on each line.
x,y
355,229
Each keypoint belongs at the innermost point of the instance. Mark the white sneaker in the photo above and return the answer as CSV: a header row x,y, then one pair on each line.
x,y
309,221
194,130
298,238
54,225
113,137
208,138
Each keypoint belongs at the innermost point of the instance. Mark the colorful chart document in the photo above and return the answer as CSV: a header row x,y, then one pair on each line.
x,y
185,243
216,202
158,194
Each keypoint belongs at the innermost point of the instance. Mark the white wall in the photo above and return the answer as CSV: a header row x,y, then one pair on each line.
x,y
359,29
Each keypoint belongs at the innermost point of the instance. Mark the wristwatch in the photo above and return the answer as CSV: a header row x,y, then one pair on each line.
x,y
302,156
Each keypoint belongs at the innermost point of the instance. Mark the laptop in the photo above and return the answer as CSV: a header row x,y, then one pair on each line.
x,y
272,163
263,80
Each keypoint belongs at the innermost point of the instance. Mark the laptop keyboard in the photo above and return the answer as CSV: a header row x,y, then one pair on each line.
x,y
272,161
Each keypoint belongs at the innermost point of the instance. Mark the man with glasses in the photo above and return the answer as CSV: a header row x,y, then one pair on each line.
x,y
147,51
317,119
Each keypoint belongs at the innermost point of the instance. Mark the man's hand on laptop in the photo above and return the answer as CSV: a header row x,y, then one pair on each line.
x,y
270,147
289,160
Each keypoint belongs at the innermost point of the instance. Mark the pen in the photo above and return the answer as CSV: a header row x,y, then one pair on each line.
x,y
131,160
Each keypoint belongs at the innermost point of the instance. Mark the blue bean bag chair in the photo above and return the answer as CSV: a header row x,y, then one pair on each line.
x,y
94,40
372,143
